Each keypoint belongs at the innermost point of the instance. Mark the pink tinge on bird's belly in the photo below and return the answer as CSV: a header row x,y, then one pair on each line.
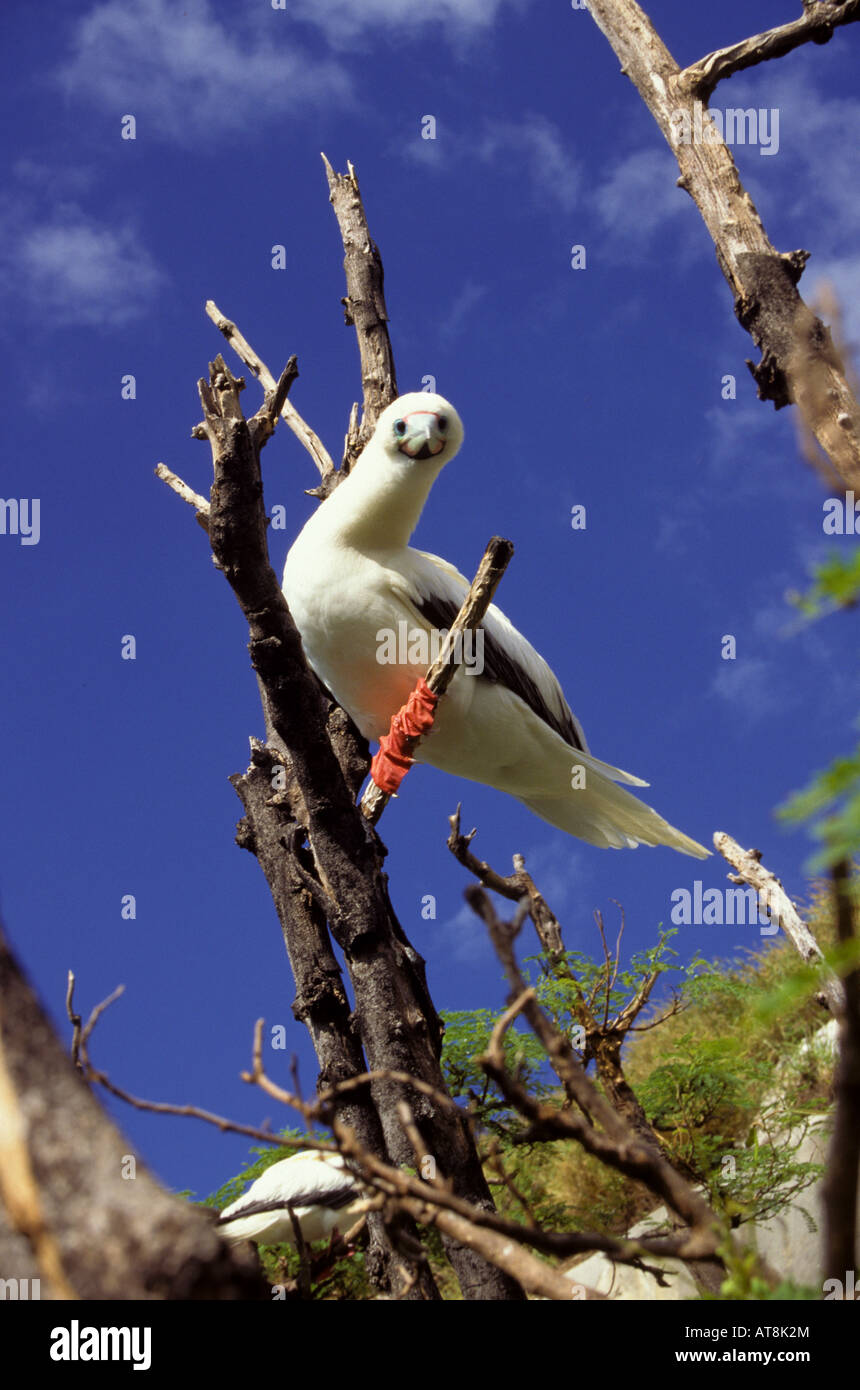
x,y
372,693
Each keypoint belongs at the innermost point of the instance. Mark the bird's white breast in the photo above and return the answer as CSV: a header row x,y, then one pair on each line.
x,y
344,603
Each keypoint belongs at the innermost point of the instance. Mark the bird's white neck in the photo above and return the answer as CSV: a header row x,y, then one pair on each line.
x,y
378,506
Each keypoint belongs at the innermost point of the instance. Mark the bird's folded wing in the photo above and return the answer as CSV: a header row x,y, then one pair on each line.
x,y
331,1197
436,590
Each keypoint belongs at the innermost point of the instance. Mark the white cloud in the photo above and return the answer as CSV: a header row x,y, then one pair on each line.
x,y
528,152
342,20
749,686
842,274
639,195
180,72
815,178
537,146
468,298
73,269
462,939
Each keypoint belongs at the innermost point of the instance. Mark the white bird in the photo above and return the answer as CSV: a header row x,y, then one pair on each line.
x,y
367,606
318,1187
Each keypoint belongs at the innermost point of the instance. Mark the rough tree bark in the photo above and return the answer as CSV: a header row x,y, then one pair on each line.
x,y
799,362
71,1216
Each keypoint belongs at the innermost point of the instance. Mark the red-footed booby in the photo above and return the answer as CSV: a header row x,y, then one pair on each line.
x,y
318,1187
368,607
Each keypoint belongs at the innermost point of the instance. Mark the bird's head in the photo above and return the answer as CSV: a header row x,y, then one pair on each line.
x,y
420,426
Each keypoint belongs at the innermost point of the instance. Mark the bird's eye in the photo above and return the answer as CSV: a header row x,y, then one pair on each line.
x,y
442,421
400,428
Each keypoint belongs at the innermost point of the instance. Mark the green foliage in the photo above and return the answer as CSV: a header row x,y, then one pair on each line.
x,y
467,1035
704,1076
830,802
743,1282
837,585
576,976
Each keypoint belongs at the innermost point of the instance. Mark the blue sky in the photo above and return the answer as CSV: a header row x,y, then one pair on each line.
x,y
599,386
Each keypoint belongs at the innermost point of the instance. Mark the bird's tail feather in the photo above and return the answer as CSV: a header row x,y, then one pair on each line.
x,y
605,814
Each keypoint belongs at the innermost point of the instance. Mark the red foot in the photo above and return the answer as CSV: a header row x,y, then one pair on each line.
x,y
413,720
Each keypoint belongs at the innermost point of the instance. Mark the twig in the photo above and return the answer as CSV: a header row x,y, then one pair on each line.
x,y
353,1083
75,1020
511,887
776,902
300,428
494,1159
187,493
96,1015
473,609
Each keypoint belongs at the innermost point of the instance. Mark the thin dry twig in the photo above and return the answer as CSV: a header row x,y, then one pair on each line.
x,y
300,428
75,1020
194,499
473,609
512,887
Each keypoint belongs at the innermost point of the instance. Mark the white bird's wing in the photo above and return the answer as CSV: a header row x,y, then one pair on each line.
x,y
436,589
303,1180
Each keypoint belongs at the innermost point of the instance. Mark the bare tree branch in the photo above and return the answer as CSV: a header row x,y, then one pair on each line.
x,y
774,900
513,887
200,504
364,309
815,25
800,363
300,428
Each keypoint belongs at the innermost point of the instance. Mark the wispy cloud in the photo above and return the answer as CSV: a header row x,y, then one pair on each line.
x,y
71,268
531,153
467,299
842,273
816,175
342,20
535,146
748,685
185,75
639,196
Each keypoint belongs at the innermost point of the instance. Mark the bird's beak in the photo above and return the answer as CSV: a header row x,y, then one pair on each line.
x,y
423,439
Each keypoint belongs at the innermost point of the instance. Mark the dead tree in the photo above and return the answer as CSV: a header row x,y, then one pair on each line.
x,y
799,362
321,856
